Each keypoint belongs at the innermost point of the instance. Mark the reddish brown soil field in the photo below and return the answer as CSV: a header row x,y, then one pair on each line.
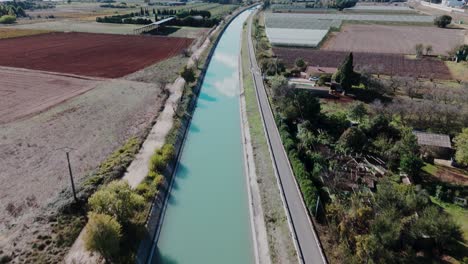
x,y
25,92
387,64
99,55
394,39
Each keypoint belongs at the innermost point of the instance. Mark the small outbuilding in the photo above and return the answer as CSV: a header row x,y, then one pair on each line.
x,y
434,145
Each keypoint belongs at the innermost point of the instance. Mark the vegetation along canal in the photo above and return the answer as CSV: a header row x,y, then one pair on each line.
x,y
207,216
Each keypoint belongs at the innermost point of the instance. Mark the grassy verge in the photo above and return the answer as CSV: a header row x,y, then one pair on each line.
x,y
279,239
459,70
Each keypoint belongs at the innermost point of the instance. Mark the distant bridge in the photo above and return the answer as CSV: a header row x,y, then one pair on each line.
x,y
151,26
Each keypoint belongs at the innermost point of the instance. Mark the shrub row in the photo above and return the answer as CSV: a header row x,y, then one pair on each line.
x,y
303,177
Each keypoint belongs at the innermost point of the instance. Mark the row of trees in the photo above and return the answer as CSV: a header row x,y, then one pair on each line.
x,y
124,19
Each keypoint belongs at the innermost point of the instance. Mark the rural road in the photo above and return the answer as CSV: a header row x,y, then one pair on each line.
x,y
307,243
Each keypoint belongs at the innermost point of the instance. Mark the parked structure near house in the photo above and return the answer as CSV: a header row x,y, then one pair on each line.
x,y
434,145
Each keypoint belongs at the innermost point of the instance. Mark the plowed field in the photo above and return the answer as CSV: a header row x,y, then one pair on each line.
x,y
394,39
99,55
25,92
377,63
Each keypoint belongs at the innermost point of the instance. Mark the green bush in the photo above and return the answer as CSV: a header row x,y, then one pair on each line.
x,y
442,21
103,234
310,194
150,186
7,19
168,152
117,199
157,163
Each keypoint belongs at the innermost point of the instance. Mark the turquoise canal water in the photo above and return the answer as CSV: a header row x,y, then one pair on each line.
x,y
207,218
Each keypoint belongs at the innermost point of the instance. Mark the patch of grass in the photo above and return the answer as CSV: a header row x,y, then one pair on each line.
x,y
459,214
429,168
115,165
459,70
14,32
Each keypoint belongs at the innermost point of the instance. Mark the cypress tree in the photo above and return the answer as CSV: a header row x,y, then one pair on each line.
x,y
345,74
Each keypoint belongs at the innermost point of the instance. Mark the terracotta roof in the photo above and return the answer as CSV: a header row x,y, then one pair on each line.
x,y
431,139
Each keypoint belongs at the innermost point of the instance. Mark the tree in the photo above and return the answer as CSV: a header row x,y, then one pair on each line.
x,y
103,234
117,200
419,48
303,103
188,74
300,63
428,49
439,226
461,144
411,164
353,139
341,4
358,111
442,21
345,74
279,86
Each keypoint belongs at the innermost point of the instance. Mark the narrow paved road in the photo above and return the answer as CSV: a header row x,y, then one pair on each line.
x,y
307,243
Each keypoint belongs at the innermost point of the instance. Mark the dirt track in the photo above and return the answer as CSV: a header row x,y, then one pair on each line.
x,y
98,55
394,39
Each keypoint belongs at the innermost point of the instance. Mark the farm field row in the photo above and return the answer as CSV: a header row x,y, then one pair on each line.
x,y
296,37
287,29
387,64
381,39
79,26
98,55
273,20
298,18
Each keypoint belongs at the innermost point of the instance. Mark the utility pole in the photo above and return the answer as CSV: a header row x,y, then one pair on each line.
x,y
71,176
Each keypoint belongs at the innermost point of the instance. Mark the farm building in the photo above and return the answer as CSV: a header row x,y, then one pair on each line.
x,y
434,145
